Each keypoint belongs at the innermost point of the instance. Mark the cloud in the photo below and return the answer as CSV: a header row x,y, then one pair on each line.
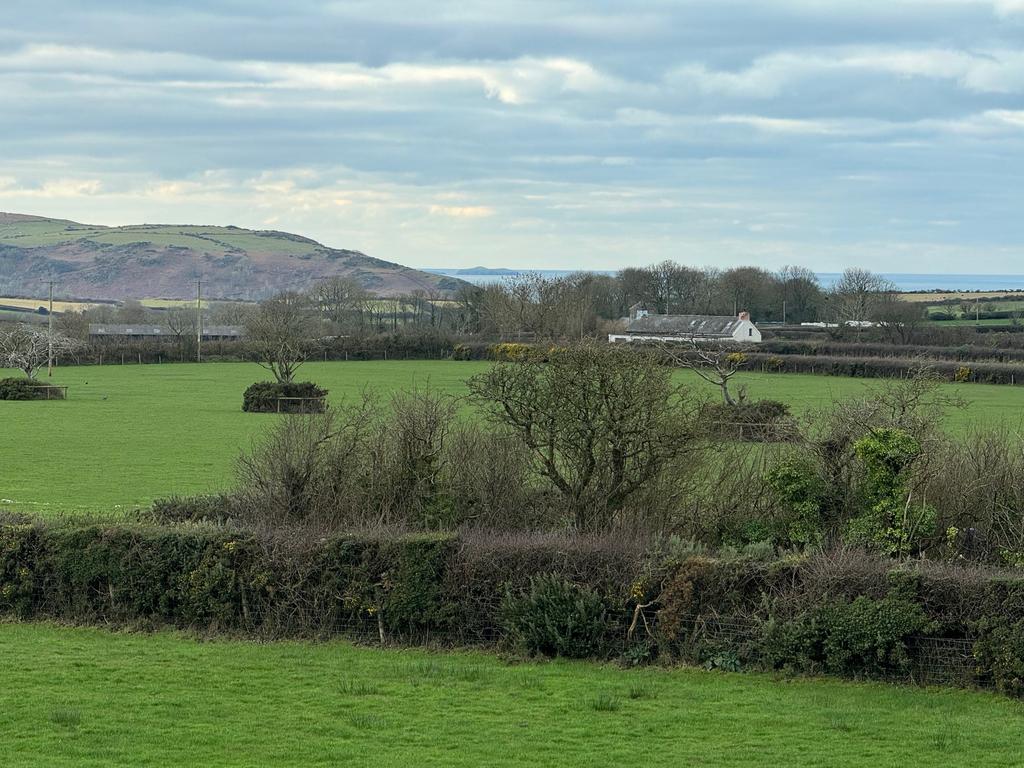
x,y
462,211
534,133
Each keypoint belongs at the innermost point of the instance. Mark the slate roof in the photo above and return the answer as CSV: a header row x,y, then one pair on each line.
x,y
702,326
141,329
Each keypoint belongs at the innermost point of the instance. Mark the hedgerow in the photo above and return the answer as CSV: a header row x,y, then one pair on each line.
x,y
845,613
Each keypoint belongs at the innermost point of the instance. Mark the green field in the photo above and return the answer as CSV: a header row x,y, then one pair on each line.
x,y
88,697
129,434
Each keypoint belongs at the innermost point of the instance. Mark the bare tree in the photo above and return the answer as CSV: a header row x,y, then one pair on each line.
x,y
282,334
857,295
899,319
28,348
341,299
715,363
800,292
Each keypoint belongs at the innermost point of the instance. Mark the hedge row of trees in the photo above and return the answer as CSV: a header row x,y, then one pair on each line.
x,y
843,612
571,307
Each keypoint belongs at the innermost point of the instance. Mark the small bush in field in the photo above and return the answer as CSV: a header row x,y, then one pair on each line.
x,y
265,397
556,618
26,389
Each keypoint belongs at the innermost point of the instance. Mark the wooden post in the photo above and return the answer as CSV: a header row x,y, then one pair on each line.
x,y
199,321
49,333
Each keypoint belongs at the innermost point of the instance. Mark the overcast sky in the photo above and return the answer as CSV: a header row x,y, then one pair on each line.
x,y
543,134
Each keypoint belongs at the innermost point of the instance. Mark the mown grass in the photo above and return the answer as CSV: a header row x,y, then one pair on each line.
x,y
129,434
88,697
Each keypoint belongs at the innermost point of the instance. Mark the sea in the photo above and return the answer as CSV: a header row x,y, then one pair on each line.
x,y
907,282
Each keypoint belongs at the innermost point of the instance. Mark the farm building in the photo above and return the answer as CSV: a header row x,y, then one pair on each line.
x,y
149,332
644,326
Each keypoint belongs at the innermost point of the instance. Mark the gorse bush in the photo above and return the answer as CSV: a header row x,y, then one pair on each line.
x,y
554,617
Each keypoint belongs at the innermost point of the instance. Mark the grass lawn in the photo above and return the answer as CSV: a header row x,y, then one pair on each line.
x,y
88,697
129,434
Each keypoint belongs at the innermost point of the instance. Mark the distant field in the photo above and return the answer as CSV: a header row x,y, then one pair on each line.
x,y
964,322
88,697
129,434
928,296
58,306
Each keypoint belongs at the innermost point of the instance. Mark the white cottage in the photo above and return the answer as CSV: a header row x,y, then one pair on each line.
x,y
643,326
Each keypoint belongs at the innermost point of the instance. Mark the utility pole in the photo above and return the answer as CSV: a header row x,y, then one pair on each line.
x,y
199,321
783,311
49,335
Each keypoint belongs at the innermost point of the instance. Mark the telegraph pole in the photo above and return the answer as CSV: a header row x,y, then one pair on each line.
x,y
199,321
49,335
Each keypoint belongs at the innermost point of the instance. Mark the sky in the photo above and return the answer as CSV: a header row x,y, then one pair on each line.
x,y
548,134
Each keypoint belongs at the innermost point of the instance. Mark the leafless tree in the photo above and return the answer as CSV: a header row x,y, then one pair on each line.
x,y
28,348
282,334
341,299
856,296
900,320
716,363
800,292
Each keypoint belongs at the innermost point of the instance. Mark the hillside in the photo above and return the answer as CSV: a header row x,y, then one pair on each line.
x,y
96,262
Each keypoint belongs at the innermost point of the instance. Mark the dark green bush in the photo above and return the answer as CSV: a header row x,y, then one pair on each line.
x,y
555,617
265,397
799,495
180,509
26,389
999,652
864,636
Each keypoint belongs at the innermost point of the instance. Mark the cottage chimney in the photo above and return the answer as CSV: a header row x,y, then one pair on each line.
x,y
744,316
636,311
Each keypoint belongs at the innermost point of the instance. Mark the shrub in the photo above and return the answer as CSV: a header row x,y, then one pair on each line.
x,y
891,521
963,373
760,421
869,636
512,352
181,509
797,490
864,636
27,389
999,652
264,397
555,617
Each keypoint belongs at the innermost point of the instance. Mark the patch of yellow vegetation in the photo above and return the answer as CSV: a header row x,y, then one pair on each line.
x,y
958,295
58,306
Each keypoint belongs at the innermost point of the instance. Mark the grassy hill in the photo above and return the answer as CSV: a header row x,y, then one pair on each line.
x,y
96,262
